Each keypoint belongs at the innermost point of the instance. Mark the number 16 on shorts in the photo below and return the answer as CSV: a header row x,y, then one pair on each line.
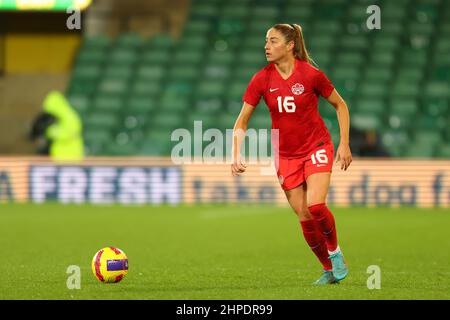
x,y
320,158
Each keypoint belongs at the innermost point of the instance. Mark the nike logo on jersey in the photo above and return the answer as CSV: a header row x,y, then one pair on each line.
x,y
272,90
321,165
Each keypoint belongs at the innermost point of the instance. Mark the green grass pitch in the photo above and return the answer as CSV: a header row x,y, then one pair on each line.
x,y
219,252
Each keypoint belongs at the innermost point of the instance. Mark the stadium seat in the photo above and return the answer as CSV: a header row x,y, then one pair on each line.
x,y
378,74
420,150
123,56
101,119
298,14
193,42
407,108
87,72
155,56
370,105
108,103
80,102
200,27
366,121
161,41
436,107
146,87
210,89
443,152
387,42
150,72
96,135
221,57
92,55
129,40
98,41
396,141
374,89
191,57
204,9
113,86
118,71
141,104
183,72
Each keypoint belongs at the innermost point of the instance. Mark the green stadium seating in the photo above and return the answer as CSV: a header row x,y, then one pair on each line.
x,y
139,105
386,42
443,152
92,55
298,14
216,72
422,150
183,72
366,121
101,119
80,102
172,104
193,42
155,56
161,41
429,136
371,105
378,73
123,56
374,89
146,87
405,89
113,86
150,72
345,59
156,143
96,41
436,107
406,108
436,89
129,40
263,12
131,92
197,27
118,71
396,141
108,103
190,57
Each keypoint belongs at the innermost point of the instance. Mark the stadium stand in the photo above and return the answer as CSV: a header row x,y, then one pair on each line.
x,y
132,92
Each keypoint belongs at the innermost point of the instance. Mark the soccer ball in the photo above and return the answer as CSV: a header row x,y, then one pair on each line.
x,y
110,265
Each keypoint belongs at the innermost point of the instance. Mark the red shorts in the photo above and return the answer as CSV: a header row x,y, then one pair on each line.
x,y
294,172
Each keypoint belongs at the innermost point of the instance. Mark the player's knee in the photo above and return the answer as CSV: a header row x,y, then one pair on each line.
x,y
303,213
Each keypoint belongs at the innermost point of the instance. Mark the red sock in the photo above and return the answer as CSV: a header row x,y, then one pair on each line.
x,y
325,222
316,242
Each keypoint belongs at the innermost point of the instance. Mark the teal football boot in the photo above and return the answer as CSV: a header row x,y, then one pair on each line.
x,y
340,269
326,278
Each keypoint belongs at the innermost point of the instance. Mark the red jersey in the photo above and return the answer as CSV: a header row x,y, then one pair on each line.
x,y
293,106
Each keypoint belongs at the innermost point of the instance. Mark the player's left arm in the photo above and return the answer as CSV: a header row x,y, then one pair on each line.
x,y
343,153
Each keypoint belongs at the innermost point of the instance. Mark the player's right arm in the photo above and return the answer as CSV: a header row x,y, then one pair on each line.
x,y
240,127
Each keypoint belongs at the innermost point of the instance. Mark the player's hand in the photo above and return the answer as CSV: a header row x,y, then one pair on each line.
x,y
344,155
238,167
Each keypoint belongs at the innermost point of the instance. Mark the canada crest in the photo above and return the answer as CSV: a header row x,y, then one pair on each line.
x,y
297,89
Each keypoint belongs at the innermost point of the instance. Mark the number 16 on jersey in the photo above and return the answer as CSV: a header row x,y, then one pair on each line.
x,y
287,104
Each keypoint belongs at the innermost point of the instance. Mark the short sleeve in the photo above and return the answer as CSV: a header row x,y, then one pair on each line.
x,y
323,85
253,92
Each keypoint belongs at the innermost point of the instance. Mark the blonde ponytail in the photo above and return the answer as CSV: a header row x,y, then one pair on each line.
x,y
300,51
293,32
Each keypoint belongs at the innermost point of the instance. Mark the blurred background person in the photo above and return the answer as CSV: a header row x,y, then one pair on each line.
x,y
59,129
367,143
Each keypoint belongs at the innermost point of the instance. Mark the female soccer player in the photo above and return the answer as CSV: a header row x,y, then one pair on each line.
x,y
291,86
